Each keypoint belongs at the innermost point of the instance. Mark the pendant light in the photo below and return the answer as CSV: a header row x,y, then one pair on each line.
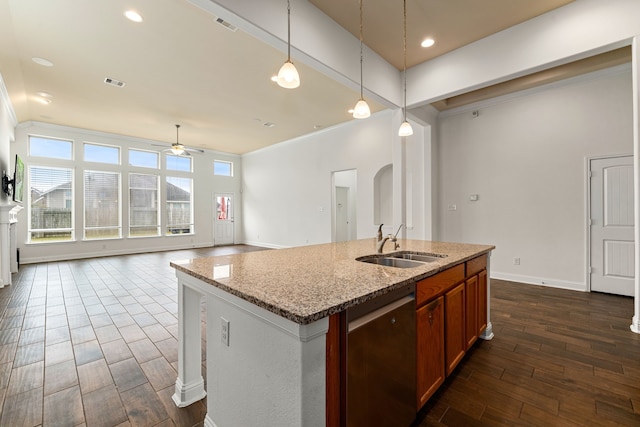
x,y
405,127
288,76
361,110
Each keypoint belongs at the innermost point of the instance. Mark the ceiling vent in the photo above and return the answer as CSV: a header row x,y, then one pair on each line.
x,y
226,24
114,82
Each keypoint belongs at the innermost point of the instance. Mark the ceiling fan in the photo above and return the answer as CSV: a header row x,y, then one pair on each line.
x,y
179,149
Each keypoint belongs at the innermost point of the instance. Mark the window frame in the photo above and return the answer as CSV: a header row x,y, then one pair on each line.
x,y
118,227
168,203
71,198
216,161
159,205
96,144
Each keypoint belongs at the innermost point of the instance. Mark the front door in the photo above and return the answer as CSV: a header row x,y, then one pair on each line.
x,y
223,232
611,219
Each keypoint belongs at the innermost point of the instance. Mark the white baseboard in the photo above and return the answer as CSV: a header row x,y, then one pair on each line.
x,y
264,245
103,253
531,280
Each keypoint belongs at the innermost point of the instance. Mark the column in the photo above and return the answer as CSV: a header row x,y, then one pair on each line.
x,y
189,384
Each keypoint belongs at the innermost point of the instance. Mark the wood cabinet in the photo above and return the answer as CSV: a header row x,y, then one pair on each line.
x,y
430,349
471,311
482,301
454,314
451,315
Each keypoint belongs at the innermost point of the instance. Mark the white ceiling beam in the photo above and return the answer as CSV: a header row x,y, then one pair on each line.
x,y
316,40
575,31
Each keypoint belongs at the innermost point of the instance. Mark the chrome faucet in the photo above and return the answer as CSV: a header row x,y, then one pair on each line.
x,y
392,237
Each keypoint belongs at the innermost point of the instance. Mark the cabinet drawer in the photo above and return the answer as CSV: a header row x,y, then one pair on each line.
x,y
438,284
476,265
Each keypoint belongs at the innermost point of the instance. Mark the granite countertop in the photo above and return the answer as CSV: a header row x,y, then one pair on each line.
x,y
307,283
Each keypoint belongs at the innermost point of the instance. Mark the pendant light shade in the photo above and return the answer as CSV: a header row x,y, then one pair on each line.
x,y
361,110
288,76
405,127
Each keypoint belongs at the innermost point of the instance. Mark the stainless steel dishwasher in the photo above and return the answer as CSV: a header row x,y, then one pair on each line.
x,y
381,361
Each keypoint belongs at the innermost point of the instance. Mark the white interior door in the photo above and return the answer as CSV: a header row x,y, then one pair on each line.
x,y
342,214
223,233
611,218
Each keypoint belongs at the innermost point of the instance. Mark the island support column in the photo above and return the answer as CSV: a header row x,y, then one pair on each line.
x,y
488,332
271,372
189,384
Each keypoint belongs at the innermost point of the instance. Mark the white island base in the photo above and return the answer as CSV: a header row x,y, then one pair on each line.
x,y
271,373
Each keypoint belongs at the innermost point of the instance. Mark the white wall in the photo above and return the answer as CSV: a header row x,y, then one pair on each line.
x,y
287,187
525,158
205,185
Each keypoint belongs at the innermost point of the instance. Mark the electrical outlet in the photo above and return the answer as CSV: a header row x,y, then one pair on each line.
x,y
224,331
516,261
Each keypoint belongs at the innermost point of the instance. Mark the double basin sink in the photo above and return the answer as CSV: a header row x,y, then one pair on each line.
x,y
402,259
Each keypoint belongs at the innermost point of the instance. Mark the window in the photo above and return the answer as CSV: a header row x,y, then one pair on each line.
x,y
143,159
102,219
179,214
101,154
49,147
50,204
178,163
222,168
144,215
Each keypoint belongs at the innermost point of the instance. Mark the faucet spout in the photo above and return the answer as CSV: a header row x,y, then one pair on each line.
x,y
381,243
380,232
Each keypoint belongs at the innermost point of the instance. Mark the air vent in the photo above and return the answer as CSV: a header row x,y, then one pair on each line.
x,y
226,24
114,82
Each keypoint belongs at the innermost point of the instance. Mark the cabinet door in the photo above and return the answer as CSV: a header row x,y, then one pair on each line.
x,y
456,344
471,311
430,349
482,301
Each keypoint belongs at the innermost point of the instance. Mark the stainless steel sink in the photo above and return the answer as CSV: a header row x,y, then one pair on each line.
x,y
403,259
416,256
391,262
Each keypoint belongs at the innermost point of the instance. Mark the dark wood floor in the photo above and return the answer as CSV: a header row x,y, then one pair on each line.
x,y
558,358
94,342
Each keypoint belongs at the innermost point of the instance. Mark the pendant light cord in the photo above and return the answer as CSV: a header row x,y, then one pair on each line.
x,y
289,30
361,83
404,110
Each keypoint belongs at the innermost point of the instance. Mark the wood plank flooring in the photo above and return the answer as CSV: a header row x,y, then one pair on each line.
x,y
94,343
558,358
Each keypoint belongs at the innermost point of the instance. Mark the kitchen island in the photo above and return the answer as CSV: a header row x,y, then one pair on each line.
x,y
268,316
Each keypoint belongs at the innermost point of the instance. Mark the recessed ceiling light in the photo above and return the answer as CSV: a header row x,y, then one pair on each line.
x,y
318,126
350,111
44,101
42,61
44,95
268,124
427,42
274,78
132,15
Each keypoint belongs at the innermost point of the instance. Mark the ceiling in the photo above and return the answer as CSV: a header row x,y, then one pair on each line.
x,y
180,66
